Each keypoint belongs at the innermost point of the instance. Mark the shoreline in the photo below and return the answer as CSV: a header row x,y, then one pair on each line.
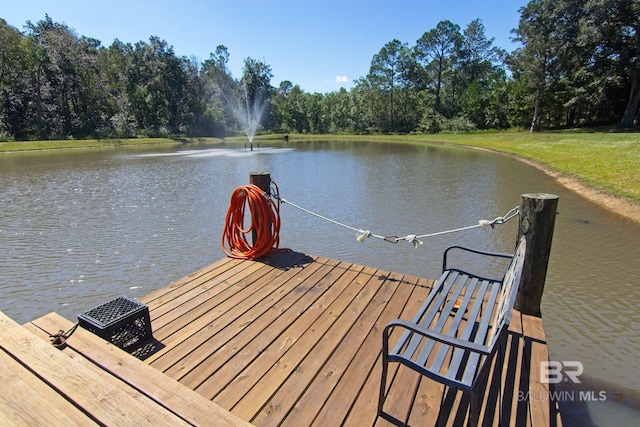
x,y
613,204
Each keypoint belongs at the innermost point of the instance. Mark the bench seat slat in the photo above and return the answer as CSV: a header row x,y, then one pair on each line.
x,y
488,313
426,313
402,341
472,311
473,359
469,290
463,362
459,282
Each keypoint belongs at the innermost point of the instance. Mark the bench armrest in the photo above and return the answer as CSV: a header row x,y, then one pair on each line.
x,y
436,336
475,251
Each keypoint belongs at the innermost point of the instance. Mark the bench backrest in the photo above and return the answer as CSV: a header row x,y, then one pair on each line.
x,y
509,289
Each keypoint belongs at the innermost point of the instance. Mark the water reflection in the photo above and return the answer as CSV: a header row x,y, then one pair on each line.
x,y
82,227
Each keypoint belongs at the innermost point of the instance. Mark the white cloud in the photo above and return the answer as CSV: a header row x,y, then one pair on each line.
x,y
342,79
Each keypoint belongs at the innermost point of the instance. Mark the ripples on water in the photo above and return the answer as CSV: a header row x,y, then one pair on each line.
x,y
79,228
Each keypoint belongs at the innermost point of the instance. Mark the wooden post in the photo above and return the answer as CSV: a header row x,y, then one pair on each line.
x,y
537,219
262,180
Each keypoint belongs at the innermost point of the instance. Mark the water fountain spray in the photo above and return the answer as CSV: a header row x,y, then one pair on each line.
x,y
248,116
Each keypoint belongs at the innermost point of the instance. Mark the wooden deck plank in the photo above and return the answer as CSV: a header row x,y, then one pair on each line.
x,y
262,334
308,371
24,395
168,393
231,299
308,353
265,335
364,407
514,408
197,311
213,310
314,399
219,281
235,355
431,403
191,280
399,398
102,397
406,295
217,342
302,332
186,303
542,410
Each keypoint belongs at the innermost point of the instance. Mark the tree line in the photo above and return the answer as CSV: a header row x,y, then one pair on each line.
x,y
577,64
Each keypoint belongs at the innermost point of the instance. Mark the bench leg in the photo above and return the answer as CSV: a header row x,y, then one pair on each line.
x,y
475,397
474,408
383,384
502,351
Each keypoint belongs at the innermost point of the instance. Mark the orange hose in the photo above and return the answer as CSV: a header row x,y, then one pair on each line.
x,y
265,221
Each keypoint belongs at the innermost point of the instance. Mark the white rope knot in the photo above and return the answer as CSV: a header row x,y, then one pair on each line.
x,y
484,223
363,235
412,238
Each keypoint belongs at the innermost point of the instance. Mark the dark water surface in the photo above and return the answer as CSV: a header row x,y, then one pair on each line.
x,y
78,228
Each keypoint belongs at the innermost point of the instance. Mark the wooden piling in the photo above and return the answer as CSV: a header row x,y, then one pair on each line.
x,y
262,180
537,220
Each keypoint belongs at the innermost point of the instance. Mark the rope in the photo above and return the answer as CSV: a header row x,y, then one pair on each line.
x,y
59,340
482,223
265,222
363,233
411,238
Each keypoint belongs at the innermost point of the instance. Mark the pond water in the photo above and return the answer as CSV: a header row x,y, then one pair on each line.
x,y
81,227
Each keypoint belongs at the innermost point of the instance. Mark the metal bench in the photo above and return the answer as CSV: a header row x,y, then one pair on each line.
x,y
457,330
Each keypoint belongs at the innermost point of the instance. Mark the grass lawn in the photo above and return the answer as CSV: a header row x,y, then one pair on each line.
x,y
609,162
62,144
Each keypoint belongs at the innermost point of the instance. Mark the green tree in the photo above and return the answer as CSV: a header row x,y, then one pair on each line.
x,y
339,110
115,64
535,61
610,33
55,77
385,72
216,72
280,114
297,112
483,101
157,87
579,58
436,51
481,78
14,87
218,88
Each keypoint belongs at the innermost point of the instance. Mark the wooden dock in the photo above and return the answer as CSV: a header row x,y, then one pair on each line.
x,y
291,339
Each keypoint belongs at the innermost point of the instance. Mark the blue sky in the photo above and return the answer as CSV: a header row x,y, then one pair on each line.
x,y
318,45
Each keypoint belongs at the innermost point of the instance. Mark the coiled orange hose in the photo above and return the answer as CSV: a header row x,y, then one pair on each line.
x,y
265,221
